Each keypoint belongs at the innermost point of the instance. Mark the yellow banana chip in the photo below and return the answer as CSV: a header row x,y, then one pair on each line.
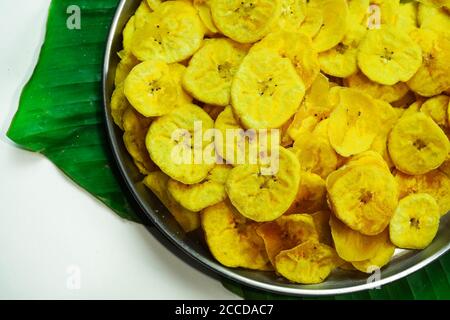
x,y
432,77
297,47
142,15
357,10
311,195
153,4
261,197
119,104
245,21
436,3
157,183
204,12
381,258
286,233
435,183
211,71
232,239
353,246
313,21
322,223
177,71
334,26
163,39
436,108
174,145
415,222
417,145
293,13
407,17
128,33
433,18
309,263
199,196
136,127
388,56
266,91
363,195
126,64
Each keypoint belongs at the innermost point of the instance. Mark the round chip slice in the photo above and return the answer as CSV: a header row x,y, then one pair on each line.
x,y
119,104
388,56
381,258
128,33
309,263
176,144
126,64
313,21
142,15
436,108
232,239
163,39
417,145
297,47
311,196
293,13
407,17
433,18
266,91
415,222
265,197
211,70
199,196
383,13
151,90
363,196
204,11
245,21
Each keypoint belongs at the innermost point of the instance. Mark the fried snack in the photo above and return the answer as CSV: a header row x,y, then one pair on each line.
x,y
199,196
119,104
388,56
437,109
170,142
162,39
204,12
309,263
432,78
436,3
135,129
313,21
211,71
126,64
334,25
286,232
435,183
266,90
153,4
128,33
311,196
297,47
232,239
417,145
386,11
363,194
381,258
407,17
245,21
265,197
433,18
353,246
415,222
142,15
157,183
322,223
293,13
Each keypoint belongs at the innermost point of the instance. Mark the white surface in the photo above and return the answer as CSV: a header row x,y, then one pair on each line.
x,y
47,224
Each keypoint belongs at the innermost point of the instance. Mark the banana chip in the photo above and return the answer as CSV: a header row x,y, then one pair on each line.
x,y
266,91
153,4
245,21
119,104
232,239
297,47
204,12
322,223
417,145
126,64
157,183
142,15
265,197
211,71
433,18
286,233
163,39
311,195
309,263
381,258
432,78
172,146
293,13
128,33
407,17
199,196
136,127
435,183
415,222
353,246
363,194
436,108
313,21
388,56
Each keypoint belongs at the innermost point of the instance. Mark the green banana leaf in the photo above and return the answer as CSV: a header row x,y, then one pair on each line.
x,y
61,116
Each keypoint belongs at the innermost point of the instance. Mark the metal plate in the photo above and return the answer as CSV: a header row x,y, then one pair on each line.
x,y
340,282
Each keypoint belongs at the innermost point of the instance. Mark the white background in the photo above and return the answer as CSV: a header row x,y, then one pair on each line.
x,y
48,224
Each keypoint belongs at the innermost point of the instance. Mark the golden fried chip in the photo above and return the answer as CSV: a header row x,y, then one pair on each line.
x,y
232,239
415,222
173,145
381,258
311,196
407,17
436,108
245,21
313,20
363,195
417,145
266,90
388,56
293,13
207,193
204,12
157,183
262,197
322,223
142,15
211,71
354,246
153,4
126,64
119,104
433,18
128,33
436,183
309,263
162,39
